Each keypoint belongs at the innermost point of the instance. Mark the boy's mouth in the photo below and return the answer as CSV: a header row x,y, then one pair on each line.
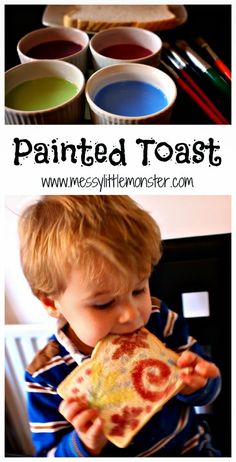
x,y
131,330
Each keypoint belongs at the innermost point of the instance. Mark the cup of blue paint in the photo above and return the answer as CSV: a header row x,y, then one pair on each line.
x,y
130,94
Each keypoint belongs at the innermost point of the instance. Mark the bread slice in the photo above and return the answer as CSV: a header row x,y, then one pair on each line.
x,y
129,378
94,18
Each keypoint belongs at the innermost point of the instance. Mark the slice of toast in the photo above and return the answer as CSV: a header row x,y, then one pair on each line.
x,y
129,378
94,18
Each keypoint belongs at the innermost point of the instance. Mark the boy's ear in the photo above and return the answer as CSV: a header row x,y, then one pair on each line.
x,y
49,305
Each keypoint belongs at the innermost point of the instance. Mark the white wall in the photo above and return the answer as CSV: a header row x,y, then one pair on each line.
x,y
177,216
184,216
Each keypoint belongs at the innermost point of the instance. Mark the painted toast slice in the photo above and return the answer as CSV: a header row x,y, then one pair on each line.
x,y
129,378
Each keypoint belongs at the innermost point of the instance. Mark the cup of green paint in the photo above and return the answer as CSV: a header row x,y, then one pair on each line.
x,y
44,92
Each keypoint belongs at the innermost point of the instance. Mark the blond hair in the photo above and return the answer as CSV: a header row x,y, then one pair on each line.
x,y
58,233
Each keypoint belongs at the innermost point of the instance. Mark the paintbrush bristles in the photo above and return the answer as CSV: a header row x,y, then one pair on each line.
x,y
182,44
170,69
174,56
201,42
166,45
192,55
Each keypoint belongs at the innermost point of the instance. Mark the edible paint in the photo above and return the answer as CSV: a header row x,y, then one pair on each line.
x,y
125,51
131,98
38,94
54,49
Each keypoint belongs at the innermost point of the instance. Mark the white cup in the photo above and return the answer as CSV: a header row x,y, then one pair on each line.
x,y
69,112
130,72
125,36
49,34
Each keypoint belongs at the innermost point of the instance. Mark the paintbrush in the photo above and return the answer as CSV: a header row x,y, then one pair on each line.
x,y
217,61
181,65
208,71
193,95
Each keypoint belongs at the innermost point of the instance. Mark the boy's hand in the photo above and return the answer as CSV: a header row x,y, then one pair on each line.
x,y
86,422
202,370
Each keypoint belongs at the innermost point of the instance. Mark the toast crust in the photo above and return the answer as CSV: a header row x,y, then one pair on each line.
x,y
94,18
129,378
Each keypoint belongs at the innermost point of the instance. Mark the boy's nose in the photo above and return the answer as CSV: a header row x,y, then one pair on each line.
x,y
129,312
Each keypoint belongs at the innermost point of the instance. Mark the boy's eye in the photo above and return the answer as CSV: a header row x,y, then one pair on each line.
x,y
104,305
138,292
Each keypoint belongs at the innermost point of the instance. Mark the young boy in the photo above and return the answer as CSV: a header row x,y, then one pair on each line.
x,y
89,259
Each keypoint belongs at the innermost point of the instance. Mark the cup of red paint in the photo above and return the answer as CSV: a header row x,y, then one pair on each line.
x,y
125,45
63,43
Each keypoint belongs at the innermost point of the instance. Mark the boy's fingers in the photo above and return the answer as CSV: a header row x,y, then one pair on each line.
x,y
71,407
194,381
187,358
207,370
95,430
83,421
95,437
199,365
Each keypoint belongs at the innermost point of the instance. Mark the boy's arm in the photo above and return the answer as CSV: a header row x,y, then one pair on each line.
x,y
52,435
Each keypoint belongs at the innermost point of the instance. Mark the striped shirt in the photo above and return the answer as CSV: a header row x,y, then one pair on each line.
x,y
173,431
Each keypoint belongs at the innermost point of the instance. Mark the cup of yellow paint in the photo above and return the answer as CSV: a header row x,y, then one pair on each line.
x,y
44,92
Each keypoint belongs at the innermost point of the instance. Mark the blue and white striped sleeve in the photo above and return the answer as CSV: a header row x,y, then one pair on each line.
x,y
52,435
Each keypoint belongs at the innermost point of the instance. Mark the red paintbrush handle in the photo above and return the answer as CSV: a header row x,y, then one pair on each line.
x,y
211,114
223,68
204,96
